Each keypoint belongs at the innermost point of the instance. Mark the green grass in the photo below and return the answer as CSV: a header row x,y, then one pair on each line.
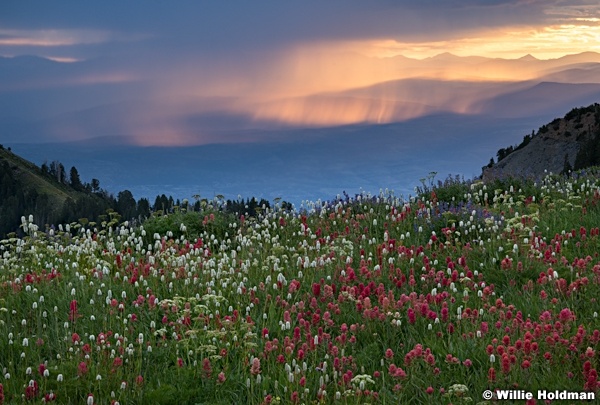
x,y
31,175
320,307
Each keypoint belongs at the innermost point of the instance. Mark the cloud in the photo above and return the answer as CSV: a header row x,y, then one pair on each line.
x,y
279,63
210,25
550,41
52,37
214,29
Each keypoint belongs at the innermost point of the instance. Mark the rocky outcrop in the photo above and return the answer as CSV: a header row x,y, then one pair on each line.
x,y
550,149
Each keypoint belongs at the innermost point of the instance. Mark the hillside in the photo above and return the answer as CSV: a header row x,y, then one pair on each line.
x,y
23,185
571,142
55,196
28,189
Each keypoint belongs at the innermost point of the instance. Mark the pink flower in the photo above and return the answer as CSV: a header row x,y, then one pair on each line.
x,y
492,374
591,383
566,315
73,315
206,367
32,390
255,368
505,364
444,314
399,373
221,378
590,352
411,316
82,368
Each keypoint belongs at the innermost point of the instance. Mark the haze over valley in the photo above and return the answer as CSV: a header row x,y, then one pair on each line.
x,y
210,101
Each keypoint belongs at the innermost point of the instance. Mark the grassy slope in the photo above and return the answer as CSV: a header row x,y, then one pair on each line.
x,y
30,176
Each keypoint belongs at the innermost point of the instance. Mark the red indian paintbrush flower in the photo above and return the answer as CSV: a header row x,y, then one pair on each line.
x,y
73,315
316,289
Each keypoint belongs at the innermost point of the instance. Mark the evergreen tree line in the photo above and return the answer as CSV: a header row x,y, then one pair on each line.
x,y
85,202
94,202
589,153
504,152
251,207
589,150
88,202
56,171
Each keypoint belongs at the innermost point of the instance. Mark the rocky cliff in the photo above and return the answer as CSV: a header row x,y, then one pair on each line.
x,y
565,143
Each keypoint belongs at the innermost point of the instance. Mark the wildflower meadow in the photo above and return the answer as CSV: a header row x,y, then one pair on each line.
x,y
373,299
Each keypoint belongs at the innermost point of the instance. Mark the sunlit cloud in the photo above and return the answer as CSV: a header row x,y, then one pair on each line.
x,y
63,59
80,79
510,42
53,37
349,82
400,64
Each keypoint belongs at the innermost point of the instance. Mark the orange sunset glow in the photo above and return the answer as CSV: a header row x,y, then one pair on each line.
x,y
307,97
399,63
347,83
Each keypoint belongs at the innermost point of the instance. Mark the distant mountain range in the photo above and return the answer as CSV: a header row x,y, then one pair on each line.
x,y
410,117
46,101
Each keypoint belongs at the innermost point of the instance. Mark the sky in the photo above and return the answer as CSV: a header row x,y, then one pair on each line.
x,y
251,54
247,65
201,30
157,73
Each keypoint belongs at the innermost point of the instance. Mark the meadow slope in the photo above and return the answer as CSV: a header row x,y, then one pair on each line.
x,y
370,299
